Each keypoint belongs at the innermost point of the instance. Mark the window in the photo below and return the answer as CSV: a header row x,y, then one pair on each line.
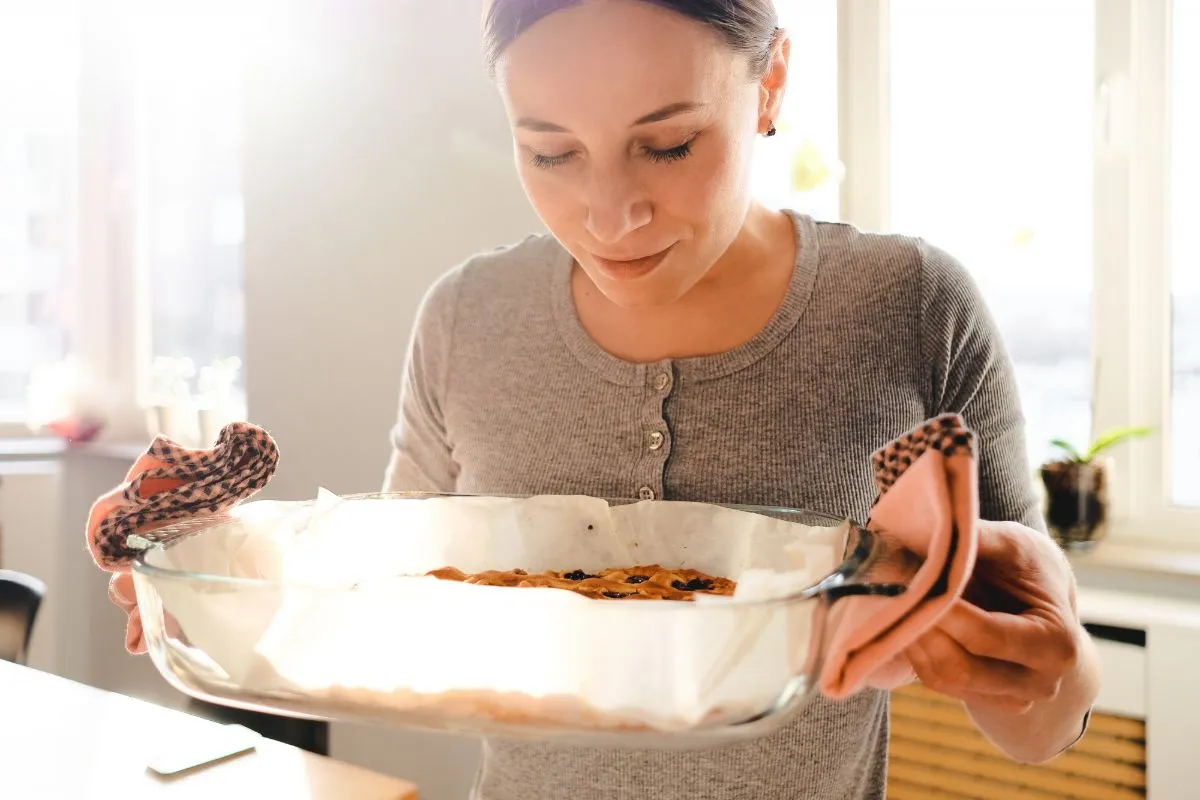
x,y
798,168
120,206
1185,255
1044,144
189,97
991,161
37,195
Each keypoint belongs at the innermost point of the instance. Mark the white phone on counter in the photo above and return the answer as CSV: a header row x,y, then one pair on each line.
x,y
205,746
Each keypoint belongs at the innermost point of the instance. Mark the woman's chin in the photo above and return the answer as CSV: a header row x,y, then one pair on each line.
x,y
641,295
655,288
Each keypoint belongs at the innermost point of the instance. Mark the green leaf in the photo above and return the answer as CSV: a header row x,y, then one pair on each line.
x,y
1115,436
1068,448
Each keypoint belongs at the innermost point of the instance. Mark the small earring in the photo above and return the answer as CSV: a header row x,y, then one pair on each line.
x,y
771,130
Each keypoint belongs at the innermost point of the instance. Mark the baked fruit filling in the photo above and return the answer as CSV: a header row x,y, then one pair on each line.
x,y
645,582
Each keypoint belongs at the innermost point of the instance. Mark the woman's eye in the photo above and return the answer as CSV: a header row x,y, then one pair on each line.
x,y
676,153
545,162
672,154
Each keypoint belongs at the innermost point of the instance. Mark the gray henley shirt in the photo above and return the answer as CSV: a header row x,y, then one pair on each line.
x,y
504,392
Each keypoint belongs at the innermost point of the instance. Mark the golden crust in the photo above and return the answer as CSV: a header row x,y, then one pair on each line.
x,y
642,582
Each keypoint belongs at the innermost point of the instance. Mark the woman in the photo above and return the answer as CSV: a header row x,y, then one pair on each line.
x,y
675,339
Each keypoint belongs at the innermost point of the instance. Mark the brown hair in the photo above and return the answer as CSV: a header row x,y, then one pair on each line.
x,y
747,26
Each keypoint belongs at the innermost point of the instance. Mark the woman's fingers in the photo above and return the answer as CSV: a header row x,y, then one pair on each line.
x,y
1027,639
944,665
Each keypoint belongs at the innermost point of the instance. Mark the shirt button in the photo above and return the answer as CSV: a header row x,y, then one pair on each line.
x,y
646,493
656,440
662,381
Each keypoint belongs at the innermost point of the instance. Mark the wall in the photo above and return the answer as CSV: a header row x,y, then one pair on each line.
x,y
377,158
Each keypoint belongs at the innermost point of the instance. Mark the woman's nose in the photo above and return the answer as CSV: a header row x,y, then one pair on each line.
x,y
616,207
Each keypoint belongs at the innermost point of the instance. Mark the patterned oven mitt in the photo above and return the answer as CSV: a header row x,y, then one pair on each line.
x,y
168,484
927,516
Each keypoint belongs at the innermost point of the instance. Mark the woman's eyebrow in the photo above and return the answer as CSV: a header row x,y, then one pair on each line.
x,y
540,126
666,112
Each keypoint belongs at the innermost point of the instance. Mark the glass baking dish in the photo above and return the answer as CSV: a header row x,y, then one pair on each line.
x,y
322,609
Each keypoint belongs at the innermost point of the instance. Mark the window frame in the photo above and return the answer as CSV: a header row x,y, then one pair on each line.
x,y
1131,330
113,337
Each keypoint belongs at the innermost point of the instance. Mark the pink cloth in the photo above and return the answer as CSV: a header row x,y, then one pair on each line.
x,y
927,518
170,483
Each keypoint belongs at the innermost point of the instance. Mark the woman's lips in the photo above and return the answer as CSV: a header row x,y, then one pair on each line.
x,y
629,269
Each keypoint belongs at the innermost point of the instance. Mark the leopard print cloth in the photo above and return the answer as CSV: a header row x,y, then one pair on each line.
x,y
241,463
947,433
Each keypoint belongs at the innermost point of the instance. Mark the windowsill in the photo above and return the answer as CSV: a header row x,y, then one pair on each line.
x,y
1136,610
42,448
1150,556
1167,570
30,447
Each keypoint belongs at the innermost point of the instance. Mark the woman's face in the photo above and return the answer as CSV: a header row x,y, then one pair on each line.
x,y
634,129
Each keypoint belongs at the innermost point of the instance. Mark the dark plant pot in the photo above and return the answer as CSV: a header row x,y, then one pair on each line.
x,y
1076,505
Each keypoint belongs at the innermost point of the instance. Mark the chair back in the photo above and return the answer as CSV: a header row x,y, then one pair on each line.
x,y
20,597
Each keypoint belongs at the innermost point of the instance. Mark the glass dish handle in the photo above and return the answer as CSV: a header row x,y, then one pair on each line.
x,y
866,550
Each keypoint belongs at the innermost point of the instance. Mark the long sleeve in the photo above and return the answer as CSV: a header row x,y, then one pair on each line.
x,y
422,456
971,373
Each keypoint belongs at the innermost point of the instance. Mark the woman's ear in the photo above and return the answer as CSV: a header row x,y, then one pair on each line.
x,y
774,81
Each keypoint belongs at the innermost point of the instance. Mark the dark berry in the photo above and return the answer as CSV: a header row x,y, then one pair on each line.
x,y
636,579
615,595
577,575
694,585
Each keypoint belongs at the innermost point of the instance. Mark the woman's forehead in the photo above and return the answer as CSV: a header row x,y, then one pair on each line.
x,y
625,57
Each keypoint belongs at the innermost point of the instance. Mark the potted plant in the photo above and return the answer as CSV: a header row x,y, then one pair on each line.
x,y
1077,489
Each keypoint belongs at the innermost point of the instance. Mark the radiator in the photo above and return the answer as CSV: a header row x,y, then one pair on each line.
x,y
936,754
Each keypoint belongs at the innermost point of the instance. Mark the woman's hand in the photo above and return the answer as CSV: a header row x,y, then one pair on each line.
x,y
1013,649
